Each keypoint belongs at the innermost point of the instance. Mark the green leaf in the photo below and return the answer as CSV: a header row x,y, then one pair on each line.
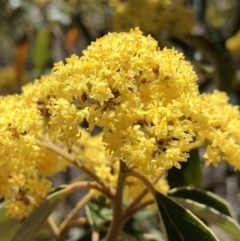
x,y
179,224
203,197
33,223
42,50
98,212
189,174
211,215
8,226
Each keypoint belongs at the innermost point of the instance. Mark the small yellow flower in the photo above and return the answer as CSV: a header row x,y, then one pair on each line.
x,y
101,92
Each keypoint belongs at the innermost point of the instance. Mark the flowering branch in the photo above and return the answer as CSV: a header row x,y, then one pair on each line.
x,y
148,105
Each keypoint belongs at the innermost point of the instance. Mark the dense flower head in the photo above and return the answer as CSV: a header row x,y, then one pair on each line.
x,y
152,16
141,96
142,121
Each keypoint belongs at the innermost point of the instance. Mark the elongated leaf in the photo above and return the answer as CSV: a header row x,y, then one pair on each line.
x,y
21,58
211,215
42,50
179,224
8,226
189,174
203,197
32,224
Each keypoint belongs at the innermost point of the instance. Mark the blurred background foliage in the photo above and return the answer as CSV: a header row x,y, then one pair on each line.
x,y
34,34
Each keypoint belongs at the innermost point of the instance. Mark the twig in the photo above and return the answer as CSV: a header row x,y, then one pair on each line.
x,y
74,223
138,208
86,184
53,227
73,212
139,198
95,235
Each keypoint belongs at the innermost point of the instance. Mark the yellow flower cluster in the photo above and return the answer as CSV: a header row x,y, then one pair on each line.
x,y
143,98
224,139
24,165
152,16
146,101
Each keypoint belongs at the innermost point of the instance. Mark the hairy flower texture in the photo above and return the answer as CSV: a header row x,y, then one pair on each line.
x,y
144,98
224,118
152,16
